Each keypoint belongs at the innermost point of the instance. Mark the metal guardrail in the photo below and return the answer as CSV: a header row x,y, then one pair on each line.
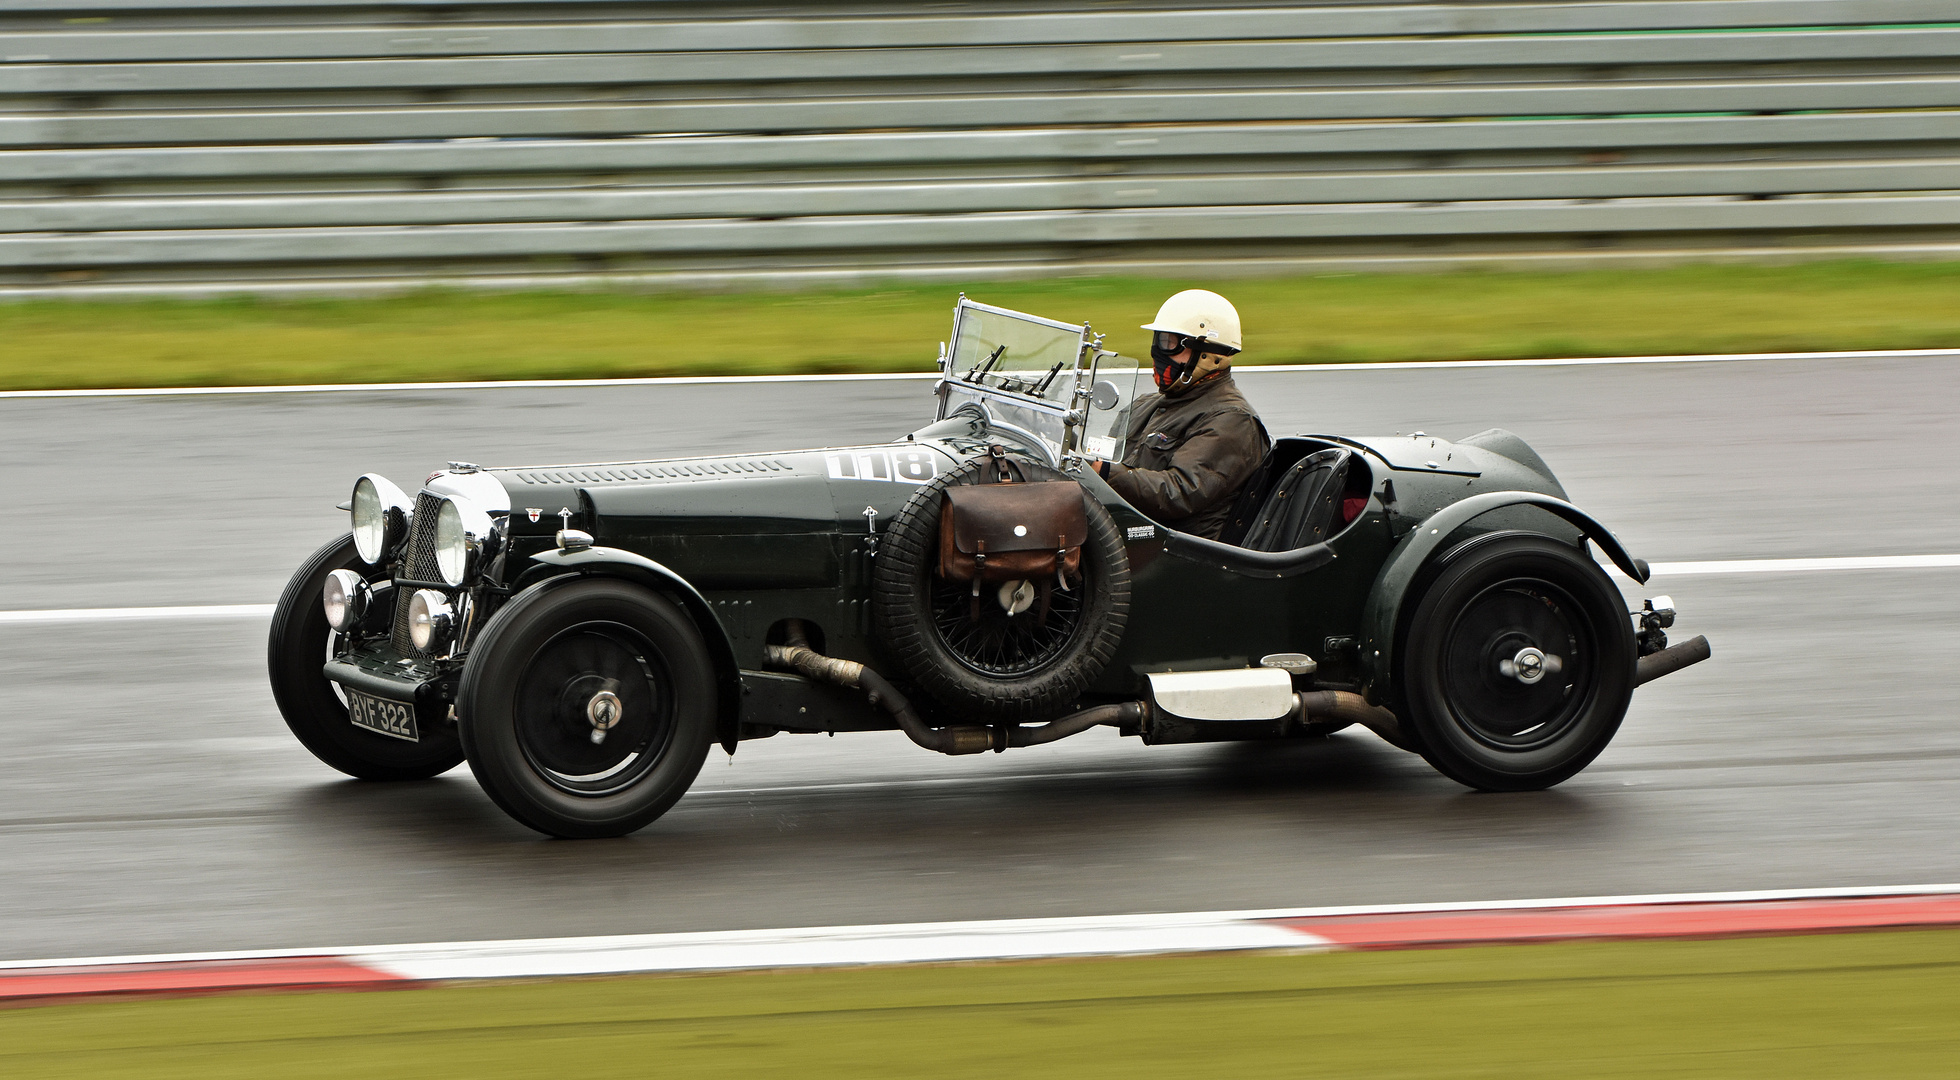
x,y
328,143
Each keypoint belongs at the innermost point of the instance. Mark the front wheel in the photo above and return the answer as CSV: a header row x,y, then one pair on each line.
x,y
1519,664
587,708
301,643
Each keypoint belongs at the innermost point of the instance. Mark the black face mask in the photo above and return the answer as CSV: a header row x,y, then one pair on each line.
x,y
1169,371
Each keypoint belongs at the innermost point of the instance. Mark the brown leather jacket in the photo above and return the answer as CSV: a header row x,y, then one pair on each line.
x,y
1185,458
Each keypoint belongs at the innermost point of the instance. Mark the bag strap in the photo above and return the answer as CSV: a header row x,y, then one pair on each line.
x,y
998,455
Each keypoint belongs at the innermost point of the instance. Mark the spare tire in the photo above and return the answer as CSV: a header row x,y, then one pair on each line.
x,y
1001,667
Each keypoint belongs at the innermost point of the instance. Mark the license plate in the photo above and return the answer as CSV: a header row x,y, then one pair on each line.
x,y
395,719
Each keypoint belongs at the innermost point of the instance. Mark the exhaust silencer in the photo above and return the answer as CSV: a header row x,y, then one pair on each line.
x,y
1670,660
1199,706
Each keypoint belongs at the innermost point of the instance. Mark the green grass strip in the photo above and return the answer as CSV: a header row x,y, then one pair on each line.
x,y
1875,1004
441,336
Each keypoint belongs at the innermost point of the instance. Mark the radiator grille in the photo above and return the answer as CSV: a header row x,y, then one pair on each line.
x,y
418,564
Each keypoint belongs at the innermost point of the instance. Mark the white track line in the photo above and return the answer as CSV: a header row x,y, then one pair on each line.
x,y
1662,569
112,614
723,380
835,946
915,942
505,384
1806,566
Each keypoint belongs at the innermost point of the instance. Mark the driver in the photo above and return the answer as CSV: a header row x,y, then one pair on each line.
x,y
1193,444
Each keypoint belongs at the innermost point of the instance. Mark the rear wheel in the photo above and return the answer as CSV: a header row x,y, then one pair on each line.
x,y
1518,666
300,645
587,708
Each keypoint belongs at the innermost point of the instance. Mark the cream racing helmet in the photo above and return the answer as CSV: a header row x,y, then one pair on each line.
x,y
1202,315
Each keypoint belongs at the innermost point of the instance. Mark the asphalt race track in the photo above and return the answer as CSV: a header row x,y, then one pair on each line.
x,y
152,801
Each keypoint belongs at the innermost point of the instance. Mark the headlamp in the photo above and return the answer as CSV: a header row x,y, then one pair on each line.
x,y
430,619
344,598
462,529
380,515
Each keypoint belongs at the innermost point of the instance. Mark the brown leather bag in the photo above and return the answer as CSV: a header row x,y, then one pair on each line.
x,y
1012,531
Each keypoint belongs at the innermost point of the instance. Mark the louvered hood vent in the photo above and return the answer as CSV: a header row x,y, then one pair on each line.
x,y
654,472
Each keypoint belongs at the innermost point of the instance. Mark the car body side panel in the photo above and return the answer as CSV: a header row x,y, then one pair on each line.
x,y
764,538
1191,615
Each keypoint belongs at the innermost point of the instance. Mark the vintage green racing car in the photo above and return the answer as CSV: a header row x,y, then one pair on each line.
x,y
583,634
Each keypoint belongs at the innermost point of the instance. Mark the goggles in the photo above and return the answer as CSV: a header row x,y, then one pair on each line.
x,y
1169,343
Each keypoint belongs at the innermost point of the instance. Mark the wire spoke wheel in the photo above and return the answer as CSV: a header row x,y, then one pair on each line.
x,y
1021,650
986,637
568,682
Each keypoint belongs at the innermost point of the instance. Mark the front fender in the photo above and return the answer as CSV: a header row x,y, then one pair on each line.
x,y
562,566
1413,552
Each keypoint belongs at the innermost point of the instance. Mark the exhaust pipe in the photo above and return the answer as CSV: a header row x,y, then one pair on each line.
x,y
797,656
1327,706
1670,660
1344,707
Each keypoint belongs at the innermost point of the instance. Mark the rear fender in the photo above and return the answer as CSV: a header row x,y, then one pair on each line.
x,y
561,567
1386,602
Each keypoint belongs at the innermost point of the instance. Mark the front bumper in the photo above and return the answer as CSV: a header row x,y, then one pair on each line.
x,y
383,673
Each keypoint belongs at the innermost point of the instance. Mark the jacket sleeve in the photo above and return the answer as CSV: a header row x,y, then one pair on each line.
x,y
1207,469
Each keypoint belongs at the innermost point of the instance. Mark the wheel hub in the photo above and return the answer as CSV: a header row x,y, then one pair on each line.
x,y
1529,666
590,713
1505,687
1016,597
602,711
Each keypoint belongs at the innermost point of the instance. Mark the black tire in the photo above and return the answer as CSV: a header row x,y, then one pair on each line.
x,y
295,653
990,670
526,686
1487,602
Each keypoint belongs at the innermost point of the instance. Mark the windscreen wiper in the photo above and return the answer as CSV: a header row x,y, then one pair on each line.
x,y
1052,372
986,365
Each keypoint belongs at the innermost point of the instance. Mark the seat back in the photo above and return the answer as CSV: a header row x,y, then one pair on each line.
x,y
1305,506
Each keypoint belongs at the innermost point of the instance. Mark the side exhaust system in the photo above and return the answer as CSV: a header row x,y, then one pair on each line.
x,y
796,655
1313,707
1656,657
1670,660
1164,714
1344,707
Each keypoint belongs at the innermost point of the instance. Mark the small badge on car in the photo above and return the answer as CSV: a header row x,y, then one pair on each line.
x,y
535,512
